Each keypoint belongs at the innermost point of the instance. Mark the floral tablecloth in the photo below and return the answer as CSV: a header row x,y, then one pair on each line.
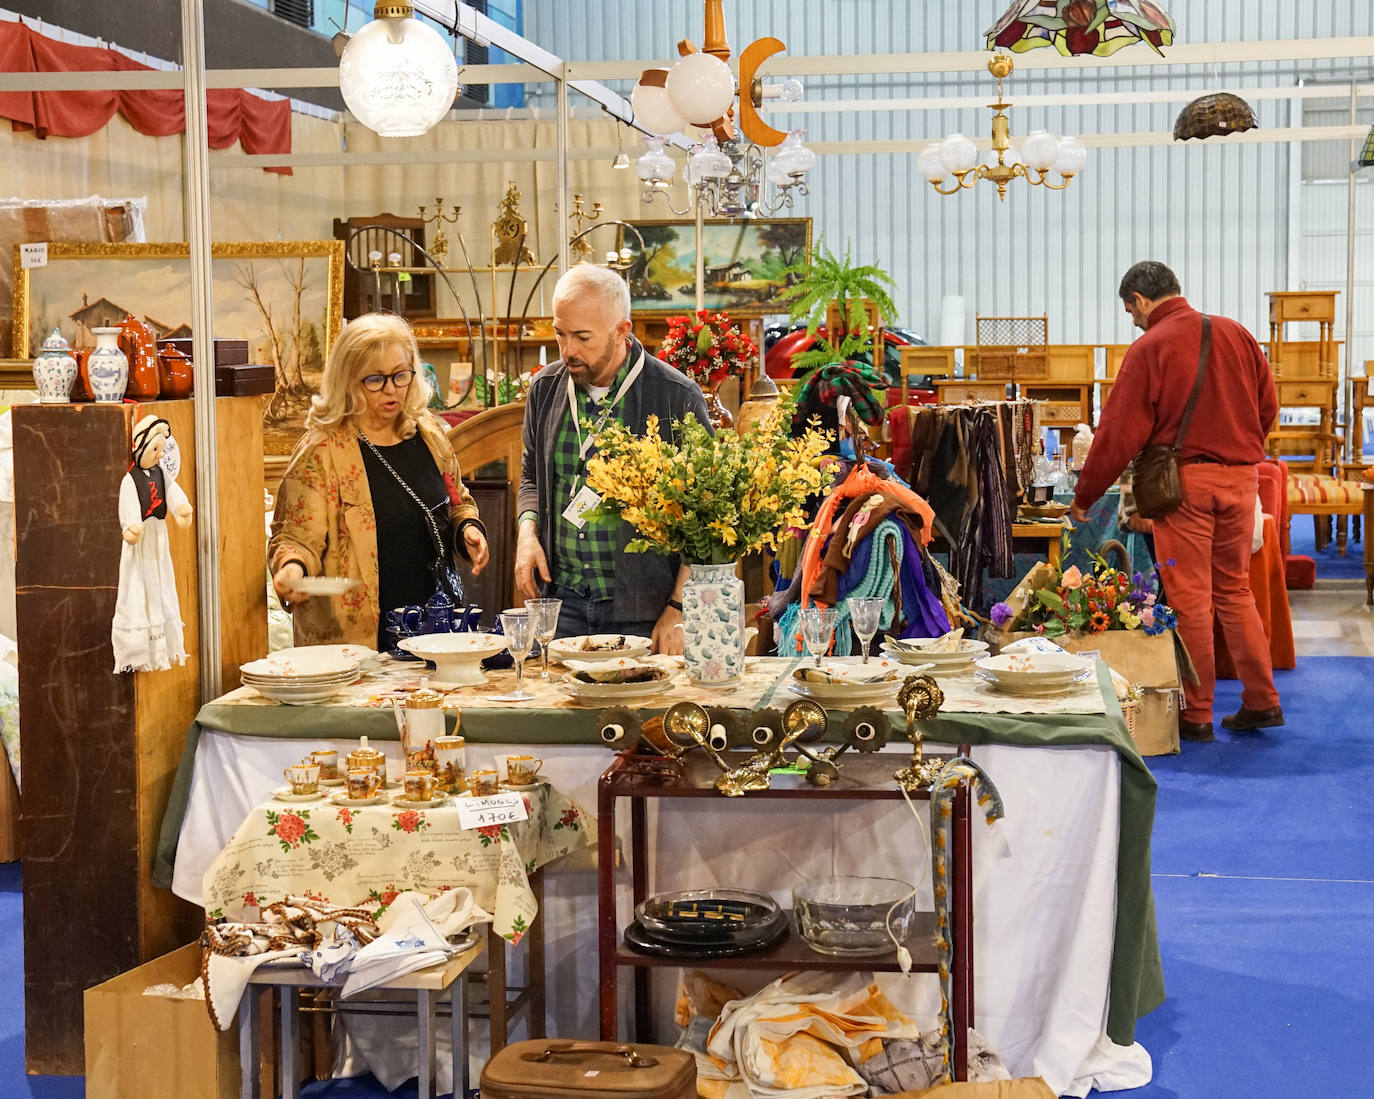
x,y
367,855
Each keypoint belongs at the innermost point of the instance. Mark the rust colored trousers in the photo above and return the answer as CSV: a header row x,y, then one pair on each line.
x,y
1208,541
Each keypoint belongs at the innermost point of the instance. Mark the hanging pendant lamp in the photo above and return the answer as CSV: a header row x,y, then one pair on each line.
x,y
1214,116
397,75
1096,27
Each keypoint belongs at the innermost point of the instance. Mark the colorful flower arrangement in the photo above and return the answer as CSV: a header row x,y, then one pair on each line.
x,y
1071,601
709,498
707,347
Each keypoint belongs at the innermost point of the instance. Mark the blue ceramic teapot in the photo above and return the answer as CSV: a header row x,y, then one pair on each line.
x,y
441,616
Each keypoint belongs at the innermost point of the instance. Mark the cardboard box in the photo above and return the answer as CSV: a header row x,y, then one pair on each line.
x,y
1148,661
154,1045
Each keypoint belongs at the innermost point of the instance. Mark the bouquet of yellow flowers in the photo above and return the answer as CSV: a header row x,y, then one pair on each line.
x,y
711,499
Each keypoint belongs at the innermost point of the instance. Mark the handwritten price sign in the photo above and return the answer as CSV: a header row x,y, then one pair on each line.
x,y
494,810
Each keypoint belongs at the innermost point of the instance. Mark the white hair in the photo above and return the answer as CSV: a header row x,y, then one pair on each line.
x,y
587,278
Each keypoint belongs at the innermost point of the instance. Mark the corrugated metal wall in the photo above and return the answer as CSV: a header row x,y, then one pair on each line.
x,y
1218,214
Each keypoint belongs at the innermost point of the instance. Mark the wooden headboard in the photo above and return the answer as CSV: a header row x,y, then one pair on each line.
x,y
489,437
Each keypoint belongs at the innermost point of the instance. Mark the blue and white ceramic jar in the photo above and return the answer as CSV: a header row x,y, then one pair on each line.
x,y
107,368
713,626
54,370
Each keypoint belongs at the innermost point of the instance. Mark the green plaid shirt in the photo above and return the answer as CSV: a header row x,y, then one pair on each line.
x,y
583,560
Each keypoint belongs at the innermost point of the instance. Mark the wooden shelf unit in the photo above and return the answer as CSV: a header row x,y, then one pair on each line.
x,y
863,777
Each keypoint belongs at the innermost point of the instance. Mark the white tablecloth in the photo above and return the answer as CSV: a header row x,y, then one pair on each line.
x,y
1044,885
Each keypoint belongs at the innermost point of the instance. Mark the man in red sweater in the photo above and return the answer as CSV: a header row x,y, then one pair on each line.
x,y
1206,542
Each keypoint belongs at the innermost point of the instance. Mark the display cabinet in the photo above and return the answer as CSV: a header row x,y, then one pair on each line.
x,y
866,777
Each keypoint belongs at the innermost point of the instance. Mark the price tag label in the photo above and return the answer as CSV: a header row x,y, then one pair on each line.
x,y
1088,654
485,812
33,255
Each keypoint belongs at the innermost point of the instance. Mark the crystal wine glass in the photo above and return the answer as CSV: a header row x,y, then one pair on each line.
x,y
864,612
518,626
545,612
818,629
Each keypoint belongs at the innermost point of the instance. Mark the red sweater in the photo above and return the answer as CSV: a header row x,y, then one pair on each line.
x,y
1235,410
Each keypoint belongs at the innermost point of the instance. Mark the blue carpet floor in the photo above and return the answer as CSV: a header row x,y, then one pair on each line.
x,y
1264,893
1330,565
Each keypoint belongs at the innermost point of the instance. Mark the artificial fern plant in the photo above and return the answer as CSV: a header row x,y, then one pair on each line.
x,y
826,279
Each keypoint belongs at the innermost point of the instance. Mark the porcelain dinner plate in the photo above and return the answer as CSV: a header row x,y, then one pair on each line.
x,y
432,803
628,645
596,694
842,694
297,697
323,585
290,663
1038,669
357,803
283,793
1037,688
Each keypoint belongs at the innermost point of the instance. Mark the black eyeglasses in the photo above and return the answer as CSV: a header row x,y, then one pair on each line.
x,y
375,383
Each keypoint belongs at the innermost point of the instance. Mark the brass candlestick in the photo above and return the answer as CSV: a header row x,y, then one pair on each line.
x,y
439,247
920,699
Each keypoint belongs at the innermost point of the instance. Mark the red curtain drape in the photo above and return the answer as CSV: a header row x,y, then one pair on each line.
x,y
260,125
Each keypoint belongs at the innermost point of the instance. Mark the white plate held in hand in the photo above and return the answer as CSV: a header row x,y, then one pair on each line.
x,y
323,585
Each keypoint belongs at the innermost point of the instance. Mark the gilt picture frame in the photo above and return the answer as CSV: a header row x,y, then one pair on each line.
x,y
284,297
744,261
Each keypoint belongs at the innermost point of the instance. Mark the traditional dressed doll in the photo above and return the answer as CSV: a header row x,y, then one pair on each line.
x,y
147,622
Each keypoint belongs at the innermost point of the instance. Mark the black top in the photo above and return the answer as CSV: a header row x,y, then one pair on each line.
x,y
405,547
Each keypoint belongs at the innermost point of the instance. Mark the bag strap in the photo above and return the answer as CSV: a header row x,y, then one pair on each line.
x,y
1203,354
429,517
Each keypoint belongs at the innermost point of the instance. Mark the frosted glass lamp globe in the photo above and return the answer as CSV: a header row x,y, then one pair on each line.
x,y
701,88
398,75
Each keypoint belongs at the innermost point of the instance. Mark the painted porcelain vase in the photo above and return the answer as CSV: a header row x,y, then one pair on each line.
x,y
107,368
54,370
713,626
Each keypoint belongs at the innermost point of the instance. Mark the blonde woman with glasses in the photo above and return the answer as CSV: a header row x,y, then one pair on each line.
x,y
371,489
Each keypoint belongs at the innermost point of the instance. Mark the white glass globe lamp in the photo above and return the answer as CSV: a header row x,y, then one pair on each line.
x,y
653,109
1040,150
398,75
958,153
1072,156
654,166
701,88
928,163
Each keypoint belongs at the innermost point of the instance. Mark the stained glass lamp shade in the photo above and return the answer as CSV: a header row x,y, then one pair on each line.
x,y
1097,27
1366,157
1214,116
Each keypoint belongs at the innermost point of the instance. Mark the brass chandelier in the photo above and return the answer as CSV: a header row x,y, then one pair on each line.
x,y
1040,154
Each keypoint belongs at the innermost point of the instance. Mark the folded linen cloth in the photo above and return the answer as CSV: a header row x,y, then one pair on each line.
x,y
799,1036
414,935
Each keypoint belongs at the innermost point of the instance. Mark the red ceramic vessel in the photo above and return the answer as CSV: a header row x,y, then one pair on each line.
x,y
136,341
81,384
174,373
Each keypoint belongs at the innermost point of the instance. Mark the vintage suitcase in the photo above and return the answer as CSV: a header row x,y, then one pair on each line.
x,y
552,1067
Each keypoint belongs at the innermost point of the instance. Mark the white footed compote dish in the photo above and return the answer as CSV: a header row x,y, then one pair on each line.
x,y
1036,673
457,657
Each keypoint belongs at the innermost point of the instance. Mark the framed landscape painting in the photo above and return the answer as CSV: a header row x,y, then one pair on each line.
x,y
744,262
284,297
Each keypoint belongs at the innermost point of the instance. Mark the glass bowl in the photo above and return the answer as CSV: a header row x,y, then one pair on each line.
x,y
708,915
849,916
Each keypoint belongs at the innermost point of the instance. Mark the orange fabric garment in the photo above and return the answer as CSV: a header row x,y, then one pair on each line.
x,y
861,480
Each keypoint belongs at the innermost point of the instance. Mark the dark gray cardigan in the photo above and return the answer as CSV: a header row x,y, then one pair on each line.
x,y
643,581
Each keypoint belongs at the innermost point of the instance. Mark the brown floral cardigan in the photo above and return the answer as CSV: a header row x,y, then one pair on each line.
x,y
324,520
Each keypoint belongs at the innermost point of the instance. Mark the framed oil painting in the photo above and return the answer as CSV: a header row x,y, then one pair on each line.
x,y
744,262
284,297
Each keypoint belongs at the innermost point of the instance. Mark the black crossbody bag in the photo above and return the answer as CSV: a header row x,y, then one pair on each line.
x,y
446,578
1155,482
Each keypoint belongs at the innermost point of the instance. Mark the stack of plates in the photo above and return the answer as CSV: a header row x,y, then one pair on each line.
x,y
841,683
313,673
1035,674
952,662
706,923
